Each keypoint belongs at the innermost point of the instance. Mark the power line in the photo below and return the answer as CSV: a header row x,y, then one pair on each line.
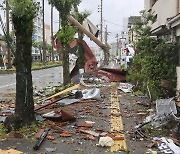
x,y
114,23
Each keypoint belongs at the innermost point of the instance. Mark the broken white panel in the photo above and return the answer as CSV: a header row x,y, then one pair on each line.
x,y
165,109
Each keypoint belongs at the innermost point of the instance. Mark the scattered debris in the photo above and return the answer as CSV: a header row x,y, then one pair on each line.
x,y
167,146
84,124
67,101
41,139
2,119
92,94
125,87
165,109
90,132
65,134
106,141
67,115
50,150
10,151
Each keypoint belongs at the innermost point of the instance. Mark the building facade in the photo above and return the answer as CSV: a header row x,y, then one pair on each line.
x,y
167,24
48,33
131,34
166,12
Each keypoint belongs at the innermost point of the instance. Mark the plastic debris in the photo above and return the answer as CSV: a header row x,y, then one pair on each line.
x,y
67,101
92,94
106,141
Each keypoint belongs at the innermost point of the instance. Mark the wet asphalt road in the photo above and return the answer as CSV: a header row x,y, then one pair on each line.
x,y
41,79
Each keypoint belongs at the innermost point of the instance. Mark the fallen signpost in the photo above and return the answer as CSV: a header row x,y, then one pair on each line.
x,y
41,139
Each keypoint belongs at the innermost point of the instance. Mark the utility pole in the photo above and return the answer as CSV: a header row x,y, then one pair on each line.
x,y
117,36
106,35
101,21
52,48
101,24
44,45
7,30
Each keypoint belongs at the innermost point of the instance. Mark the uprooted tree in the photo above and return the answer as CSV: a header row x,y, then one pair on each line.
x,y
66,33
80,17
23,12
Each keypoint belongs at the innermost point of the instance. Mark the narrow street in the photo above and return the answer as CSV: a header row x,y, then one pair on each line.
x,y
107,78
116,115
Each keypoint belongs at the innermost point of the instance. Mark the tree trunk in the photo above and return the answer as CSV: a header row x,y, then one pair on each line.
x,y
80,50
66,73
41,55
24,106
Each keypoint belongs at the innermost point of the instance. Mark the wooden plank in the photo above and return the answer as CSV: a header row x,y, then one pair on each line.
x,y
64,91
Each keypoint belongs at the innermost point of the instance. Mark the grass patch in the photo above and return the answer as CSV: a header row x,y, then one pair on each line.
x,y
26,132
39,65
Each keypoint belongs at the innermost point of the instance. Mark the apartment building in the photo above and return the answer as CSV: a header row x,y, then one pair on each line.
x,y
131,34
167,12
48,33
167,24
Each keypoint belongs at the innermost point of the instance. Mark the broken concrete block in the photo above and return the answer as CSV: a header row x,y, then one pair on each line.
x,y
106,141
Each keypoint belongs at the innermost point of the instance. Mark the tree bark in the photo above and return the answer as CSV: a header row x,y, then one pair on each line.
x,y
24,105
66,73
80,50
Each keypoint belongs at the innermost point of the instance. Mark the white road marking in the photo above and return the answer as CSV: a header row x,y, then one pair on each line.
x,y
42,76
7,85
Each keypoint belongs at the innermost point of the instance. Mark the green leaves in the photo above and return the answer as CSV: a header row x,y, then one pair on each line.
x,y
66,35
156,60
24,8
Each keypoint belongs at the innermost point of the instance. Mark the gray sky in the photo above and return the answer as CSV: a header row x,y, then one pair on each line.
x,y
113,13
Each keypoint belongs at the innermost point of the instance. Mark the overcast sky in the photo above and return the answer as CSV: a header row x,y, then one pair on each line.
x,y
113,13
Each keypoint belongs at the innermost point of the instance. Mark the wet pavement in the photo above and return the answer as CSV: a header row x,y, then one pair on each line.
x,y
106,120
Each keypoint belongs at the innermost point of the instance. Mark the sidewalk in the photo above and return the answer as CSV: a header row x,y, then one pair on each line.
x,y
116,116
108,117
